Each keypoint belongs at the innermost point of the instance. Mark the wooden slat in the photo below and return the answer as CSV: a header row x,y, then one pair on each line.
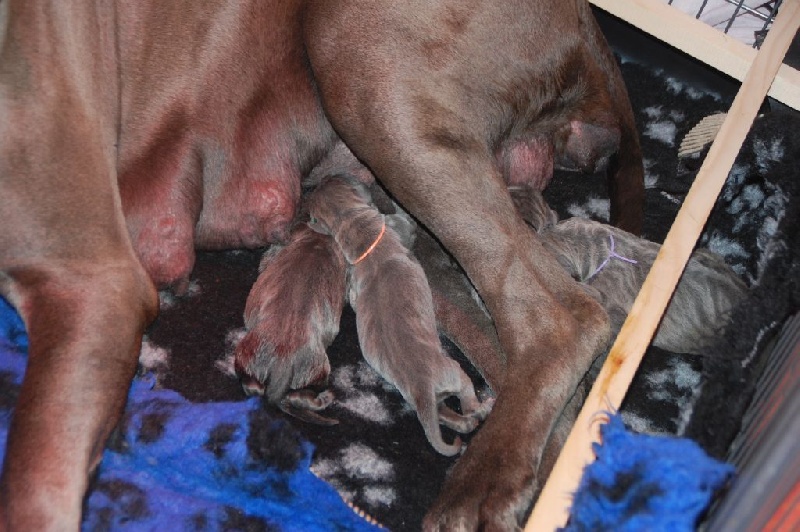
x,y
552,508
701,41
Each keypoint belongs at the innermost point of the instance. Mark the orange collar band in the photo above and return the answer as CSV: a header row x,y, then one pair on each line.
x,y
372,246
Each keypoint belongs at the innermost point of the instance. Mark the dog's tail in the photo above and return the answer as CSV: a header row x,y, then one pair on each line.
x,y
428,415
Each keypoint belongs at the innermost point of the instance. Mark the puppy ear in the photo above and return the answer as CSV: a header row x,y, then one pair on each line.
x,y
361,189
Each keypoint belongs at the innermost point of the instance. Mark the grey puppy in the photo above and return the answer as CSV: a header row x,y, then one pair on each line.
x,y
613,264
394,311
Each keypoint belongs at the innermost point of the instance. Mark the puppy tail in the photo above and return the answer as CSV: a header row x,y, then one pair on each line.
x,y
428,415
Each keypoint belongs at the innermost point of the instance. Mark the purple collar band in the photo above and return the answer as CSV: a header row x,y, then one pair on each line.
x,y
612,255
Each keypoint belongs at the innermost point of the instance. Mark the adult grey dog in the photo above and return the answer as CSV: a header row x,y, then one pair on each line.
x,y
136,131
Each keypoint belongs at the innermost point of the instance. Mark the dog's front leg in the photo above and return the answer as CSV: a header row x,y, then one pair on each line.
x,y
549,328
66,262
85,324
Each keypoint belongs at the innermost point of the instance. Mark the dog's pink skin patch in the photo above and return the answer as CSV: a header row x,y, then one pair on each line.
x,y
161,197
166,251
249,212
218,130
528,162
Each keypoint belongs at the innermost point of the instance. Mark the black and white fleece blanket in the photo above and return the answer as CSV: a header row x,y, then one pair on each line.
x,y
192,452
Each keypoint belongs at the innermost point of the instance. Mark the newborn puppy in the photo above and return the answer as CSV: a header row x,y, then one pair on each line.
x,y
292,315
613,264
394,311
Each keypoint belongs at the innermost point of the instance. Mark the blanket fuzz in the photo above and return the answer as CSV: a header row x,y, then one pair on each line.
x,y
641,482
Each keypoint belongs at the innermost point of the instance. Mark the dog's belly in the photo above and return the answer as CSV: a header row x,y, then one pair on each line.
x,y
212,157
251,186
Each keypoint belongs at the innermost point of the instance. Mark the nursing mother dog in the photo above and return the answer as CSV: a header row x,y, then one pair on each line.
x,y
133,132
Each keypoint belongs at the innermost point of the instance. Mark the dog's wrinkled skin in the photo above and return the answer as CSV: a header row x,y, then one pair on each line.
x,y
292,315
133,132
394,312
698,311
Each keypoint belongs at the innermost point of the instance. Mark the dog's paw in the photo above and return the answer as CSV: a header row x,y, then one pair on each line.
x,y
490,488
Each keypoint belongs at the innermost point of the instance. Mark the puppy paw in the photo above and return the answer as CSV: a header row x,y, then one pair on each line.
x,y
467,422
461,423
533,208
304,405
265,370
483,409
250,385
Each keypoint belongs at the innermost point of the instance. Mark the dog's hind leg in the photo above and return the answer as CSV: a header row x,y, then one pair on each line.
x,y
561,430
427,122
66,262
625,173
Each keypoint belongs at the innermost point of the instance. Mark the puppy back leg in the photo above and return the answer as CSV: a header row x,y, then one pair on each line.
x,y
459,316
66,262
